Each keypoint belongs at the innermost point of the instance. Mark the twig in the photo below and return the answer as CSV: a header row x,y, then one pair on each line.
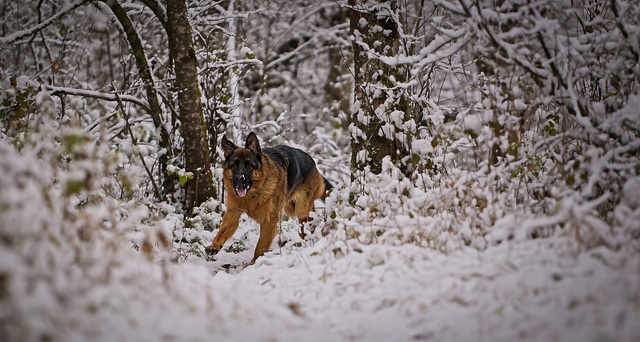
x,y
133,140
96,95
18,35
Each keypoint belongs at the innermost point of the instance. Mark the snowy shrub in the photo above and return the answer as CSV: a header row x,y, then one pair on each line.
x,y
510,200
64,237
80,262
534,132
192,234
457,197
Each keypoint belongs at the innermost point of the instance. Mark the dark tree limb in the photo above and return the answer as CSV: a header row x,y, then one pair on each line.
x,y
145,74
194,129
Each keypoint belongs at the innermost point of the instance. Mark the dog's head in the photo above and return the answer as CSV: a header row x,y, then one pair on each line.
x,y
242,166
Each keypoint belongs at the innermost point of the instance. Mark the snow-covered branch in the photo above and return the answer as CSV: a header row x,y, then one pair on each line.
x,y
18,35
54,90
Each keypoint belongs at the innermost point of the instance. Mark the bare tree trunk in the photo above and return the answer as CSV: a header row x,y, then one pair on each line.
x,y
369,143
193,127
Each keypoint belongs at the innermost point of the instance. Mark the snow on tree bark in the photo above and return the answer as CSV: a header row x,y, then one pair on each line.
x,y
376,130
194,130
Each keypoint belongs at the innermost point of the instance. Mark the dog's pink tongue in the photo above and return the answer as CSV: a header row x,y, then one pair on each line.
x,y
241,192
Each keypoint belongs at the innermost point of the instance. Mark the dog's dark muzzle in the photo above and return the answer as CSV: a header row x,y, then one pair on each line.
x,y
241,184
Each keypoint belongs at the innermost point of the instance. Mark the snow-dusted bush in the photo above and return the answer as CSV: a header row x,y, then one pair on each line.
x,y
538,137
456,198
79,261
67,238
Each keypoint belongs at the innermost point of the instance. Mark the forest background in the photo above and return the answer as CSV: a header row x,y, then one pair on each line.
x,y
448,128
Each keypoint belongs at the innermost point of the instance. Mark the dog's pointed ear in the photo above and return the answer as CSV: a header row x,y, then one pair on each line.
x,y
253,144
227,146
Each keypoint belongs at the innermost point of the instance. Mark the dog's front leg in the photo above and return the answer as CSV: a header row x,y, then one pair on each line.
x,y
268,230
227,228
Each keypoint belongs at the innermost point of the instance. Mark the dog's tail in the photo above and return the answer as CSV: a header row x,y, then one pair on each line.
x,y
327,186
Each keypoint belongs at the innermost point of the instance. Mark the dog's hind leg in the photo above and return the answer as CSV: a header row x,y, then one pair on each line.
x,y
303,217
268,230
227,228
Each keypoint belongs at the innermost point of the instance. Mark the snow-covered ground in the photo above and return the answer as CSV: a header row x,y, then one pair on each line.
x,y
536,290
71,275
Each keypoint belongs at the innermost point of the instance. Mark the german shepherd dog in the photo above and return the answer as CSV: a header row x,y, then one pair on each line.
x,y
262,182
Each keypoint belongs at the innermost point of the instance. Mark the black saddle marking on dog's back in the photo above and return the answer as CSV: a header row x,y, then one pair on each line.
x,y
297,163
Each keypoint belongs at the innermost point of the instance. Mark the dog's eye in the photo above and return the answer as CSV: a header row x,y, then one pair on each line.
x,y
248,166
235,165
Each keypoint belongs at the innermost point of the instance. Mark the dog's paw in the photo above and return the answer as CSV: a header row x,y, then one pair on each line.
x,y
211,250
